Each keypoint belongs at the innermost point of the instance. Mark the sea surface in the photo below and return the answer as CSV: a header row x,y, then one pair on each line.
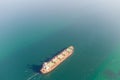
x,y
32,32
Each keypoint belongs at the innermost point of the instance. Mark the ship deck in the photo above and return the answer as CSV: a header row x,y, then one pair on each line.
x,y
55,61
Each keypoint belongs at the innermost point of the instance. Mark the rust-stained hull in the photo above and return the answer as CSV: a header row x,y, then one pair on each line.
x,y
56,60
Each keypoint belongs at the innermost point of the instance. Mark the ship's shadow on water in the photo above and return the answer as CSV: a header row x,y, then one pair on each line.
x,y
35,68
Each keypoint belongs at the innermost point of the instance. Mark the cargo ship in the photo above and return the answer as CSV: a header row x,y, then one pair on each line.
x,y
56,60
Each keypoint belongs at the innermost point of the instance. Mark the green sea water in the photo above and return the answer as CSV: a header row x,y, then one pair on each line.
x,y
33,32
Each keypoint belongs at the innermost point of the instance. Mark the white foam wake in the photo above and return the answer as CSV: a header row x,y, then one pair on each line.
x,y
31,77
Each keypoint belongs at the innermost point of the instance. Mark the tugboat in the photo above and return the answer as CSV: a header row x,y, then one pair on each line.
x,y
56,60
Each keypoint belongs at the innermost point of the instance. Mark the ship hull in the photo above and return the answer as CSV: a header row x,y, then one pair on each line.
x,y
57,60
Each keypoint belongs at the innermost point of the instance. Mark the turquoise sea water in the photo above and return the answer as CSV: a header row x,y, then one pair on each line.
x,y
32,32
